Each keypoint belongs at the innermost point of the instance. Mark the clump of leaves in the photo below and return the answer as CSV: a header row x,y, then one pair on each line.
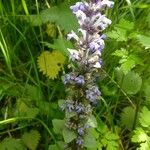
x,y
50,63
31,139
12,144
142,132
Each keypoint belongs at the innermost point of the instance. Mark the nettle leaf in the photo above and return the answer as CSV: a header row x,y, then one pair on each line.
x,y
32,92
61,45
145,117
121,53
126,24
31,139
25,110
118,34
127,117
112,145
131,83
127,62
50,63
127,65
58,125
68,135
51,30
144,40
140,136
12,144
60,14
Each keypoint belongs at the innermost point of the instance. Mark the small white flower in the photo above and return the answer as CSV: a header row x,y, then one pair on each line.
x,y
97,65
93,59
72,35
107,3
74,54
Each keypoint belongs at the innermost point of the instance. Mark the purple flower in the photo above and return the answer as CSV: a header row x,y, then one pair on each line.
x,y
97,44
68,78
93,93
74,55
79,140
81,131
78,6
80,108
70,106
79,80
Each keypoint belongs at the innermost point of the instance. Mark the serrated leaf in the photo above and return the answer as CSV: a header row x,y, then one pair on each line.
x,y
51,30
121,53
111,136
68,135
118,34
126,24
12,144
145,117
61,45
127,117
144,40
60,14
25,110
31,139
131,83
51,63
32,92
58,125
127,65
139,135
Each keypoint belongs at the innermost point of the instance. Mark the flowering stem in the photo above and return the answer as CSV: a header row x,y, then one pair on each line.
x,y
83,93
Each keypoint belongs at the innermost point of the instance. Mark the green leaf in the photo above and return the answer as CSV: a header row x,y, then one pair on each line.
x,y
111,136
60,14
147,94
92,121
68,135
127,65
144,40
55,147
31,139
60,44
12,144
140,136
112,145
145,117
33,92
121,53
132,83
118,34
24,110
58,125
127,117
90,141
126,24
